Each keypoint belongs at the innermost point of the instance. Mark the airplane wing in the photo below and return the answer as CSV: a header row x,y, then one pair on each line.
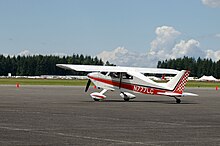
x,y
97,68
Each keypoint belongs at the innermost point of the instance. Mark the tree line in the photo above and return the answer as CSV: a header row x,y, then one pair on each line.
x,y
46,65
197,67
43,65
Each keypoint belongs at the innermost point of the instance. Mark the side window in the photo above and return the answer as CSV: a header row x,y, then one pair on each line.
x,y
127,76
114,75
117,75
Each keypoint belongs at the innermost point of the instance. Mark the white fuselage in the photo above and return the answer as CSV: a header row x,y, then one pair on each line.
x,y
126,83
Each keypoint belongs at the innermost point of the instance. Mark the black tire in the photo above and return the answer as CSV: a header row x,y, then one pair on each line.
x,y
95,99
126,99
178,100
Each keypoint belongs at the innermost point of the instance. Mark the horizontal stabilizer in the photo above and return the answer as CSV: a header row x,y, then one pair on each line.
x,y
176,94
189,94
169,94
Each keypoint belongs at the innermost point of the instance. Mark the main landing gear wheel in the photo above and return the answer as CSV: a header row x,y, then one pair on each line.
x,y
95,99
126,99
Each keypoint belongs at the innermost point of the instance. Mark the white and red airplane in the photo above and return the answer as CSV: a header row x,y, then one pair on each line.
x,y
132,79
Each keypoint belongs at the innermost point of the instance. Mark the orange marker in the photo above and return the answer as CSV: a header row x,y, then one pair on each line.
x,y
17,85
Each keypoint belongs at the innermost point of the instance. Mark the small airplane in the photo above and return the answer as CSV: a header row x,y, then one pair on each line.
x,y
130,80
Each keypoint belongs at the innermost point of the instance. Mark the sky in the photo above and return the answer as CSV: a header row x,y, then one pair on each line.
x,y
123,32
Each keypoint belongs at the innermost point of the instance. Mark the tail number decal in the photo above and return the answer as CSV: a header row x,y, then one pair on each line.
x,y
143,89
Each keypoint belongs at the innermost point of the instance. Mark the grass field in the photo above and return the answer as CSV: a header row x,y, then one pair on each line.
x,y
43,82
83,82
202,84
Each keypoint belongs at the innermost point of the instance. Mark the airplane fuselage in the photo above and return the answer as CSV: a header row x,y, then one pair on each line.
x,y
124,83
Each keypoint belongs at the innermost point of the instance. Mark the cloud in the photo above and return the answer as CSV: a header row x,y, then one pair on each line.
x,y
161,46
164,46
217,35
165,37
25,53
211,3
113,55
213,54
189,48
59,54
122,57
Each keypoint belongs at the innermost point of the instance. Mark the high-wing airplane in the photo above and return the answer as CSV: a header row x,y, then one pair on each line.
x,y
130,80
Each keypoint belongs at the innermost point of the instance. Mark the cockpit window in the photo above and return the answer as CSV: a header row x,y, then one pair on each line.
x,y
104,73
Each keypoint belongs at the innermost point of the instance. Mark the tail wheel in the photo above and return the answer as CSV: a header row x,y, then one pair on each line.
x,y
178,100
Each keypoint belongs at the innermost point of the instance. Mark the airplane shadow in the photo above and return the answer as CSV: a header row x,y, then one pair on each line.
x,y
146,101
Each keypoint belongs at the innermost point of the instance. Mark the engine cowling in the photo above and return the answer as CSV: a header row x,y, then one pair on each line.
x,y
97,95
127,95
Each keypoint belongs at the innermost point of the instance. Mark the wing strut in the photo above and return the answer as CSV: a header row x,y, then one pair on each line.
x,y
120,80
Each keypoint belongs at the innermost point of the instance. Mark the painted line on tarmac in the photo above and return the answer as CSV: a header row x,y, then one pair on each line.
x,y
71,135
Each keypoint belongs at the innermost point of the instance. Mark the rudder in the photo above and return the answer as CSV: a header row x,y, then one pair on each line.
x,y
177,84
182,82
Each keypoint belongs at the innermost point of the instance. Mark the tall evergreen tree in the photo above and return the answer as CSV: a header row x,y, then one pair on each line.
x,y
197,67
43,65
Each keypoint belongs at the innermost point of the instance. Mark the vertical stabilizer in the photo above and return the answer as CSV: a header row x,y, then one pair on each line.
x,y
177,84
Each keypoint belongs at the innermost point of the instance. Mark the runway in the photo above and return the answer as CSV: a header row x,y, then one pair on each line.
x,y
59,115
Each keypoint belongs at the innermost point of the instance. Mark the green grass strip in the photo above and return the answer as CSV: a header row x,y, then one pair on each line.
x,y
43,82
202,84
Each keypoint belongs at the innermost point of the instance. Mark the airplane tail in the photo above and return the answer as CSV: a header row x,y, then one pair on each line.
x,y
177,84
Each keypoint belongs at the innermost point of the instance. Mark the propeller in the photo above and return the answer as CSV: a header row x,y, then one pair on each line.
x,y
87,85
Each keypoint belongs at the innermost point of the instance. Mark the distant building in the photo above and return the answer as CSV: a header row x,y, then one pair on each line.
x,y
208,78
9,75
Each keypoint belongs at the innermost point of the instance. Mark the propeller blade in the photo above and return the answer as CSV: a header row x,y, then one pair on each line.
x,y
87,85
